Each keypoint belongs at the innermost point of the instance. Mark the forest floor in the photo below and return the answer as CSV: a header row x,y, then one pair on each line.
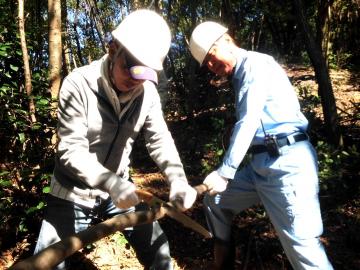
x,y
257,246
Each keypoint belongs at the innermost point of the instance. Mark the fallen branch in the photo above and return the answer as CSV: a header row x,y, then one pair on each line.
x,y
56,253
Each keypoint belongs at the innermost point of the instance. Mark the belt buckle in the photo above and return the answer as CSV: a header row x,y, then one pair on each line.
x,y
291,139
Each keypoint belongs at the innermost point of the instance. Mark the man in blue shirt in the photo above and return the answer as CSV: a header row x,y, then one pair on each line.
x,y
282,171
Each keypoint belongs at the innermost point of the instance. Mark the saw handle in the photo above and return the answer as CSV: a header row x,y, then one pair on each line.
x,y
147,196
200,189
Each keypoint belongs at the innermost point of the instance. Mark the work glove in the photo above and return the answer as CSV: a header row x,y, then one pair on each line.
x,y
122,193
215,183
182,195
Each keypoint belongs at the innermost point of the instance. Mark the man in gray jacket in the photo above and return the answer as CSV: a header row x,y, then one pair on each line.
x,y
102,108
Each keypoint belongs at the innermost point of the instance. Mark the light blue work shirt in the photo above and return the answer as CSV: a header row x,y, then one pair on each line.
x,y
262,92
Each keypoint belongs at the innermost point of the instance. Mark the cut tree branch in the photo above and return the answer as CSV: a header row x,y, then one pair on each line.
x,y
56,253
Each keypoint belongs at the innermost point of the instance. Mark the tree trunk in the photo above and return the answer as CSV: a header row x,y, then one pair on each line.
x,y
55,46
66,49
227,17
98,25
135,5
27,72
275,32
322,76
76,36
256,33
323,27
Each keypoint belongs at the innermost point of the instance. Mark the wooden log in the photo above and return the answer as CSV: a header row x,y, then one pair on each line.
x,y
56,253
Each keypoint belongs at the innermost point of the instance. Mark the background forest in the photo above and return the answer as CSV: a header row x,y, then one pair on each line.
x,y
316,41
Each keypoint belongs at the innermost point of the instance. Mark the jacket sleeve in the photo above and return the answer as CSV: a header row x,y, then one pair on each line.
x,y
160,143
74,158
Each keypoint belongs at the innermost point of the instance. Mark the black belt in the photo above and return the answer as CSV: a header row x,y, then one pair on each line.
x,y
288,140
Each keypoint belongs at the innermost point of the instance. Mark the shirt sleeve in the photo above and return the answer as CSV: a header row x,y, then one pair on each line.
x,y
160,143
251,93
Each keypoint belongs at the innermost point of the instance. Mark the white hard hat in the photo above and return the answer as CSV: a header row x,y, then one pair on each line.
x,y
146,35
203,37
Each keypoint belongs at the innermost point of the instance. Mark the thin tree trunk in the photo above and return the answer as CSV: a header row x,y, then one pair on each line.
x,y
277,38
27,72
227,17
55,46
66,50
323,27
97,25
157,6
135,4
322,76
66,55
76,36
259,32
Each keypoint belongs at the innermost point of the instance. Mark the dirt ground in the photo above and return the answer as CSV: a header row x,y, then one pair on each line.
x,y
257,246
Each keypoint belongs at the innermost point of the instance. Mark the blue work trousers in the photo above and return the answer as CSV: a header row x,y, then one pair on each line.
x,y
288,188
64,218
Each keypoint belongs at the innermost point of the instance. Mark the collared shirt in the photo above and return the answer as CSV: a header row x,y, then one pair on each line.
x,y
264,93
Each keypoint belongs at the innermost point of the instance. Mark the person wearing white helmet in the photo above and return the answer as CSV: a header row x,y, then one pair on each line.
x,y
102,109
282,169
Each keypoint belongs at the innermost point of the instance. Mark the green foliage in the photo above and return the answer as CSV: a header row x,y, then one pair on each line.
x,y
28,146
4,183
22,139
305,59
334,166
214,148
119,239
340,60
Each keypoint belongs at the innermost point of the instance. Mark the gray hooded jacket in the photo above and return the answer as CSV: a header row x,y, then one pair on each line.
x,y
97,133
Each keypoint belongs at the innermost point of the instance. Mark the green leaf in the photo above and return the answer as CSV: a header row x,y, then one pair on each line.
x,y
36,76
15,68
46,189
21,137
3,53
22,227
4,47
40,205
42,102
4,173
36,126
5,183
21,111
35,208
